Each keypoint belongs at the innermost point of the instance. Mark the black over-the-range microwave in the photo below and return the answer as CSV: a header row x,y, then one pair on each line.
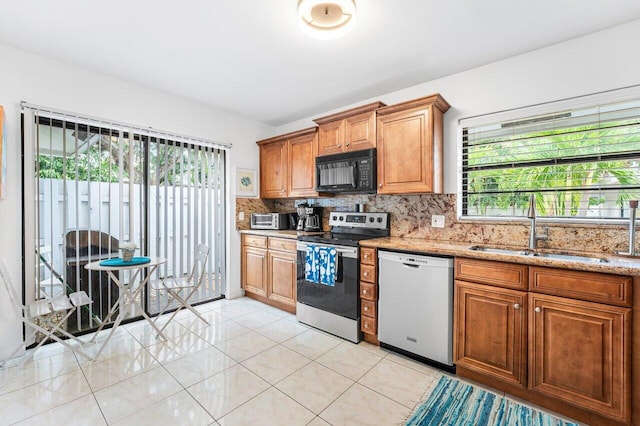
x,y
349,172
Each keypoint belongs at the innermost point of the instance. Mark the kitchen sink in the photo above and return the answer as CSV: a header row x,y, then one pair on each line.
x,y
536,253
571,257
520,252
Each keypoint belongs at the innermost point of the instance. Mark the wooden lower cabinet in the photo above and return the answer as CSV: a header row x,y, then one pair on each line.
x,y
269,274
491,331
282,277
254,270
580,352
568,355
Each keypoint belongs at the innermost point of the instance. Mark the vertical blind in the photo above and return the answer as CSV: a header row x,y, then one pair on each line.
x,y
579,162
91,184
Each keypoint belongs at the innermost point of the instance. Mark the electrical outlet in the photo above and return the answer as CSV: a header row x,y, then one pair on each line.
x,y
437,221
241,216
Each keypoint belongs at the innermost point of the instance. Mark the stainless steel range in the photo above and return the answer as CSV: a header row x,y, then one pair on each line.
x,y
332,304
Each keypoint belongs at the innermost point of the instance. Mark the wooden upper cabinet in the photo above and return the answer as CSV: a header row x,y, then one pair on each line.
x,y
287,165
580,352
350,130
273,169
302,158
409,142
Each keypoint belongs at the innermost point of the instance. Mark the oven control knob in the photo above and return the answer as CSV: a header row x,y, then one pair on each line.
x,y
371,219
379,220
341,218
335,218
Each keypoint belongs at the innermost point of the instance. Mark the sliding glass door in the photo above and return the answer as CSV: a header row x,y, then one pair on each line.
x,y
186,208
90,185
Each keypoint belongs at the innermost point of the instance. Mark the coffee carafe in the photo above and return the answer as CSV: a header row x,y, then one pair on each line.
x,y
313,219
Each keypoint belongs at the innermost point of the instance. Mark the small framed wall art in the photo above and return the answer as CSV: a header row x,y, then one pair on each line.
x,y
246,183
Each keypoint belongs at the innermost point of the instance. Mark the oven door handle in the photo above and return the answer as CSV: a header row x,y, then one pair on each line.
x,y
349,252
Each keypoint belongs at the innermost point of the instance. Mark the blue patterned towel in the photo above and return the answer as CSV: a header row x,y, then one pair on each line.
x,y
311,267
328,265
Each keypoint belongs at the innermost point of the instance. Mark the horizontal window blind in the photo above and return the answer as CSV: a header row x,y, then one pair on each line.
x,y
579,163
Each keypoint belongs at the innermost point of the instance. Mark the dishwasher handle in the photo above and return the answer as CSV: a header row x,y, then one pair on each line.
x,y
411,265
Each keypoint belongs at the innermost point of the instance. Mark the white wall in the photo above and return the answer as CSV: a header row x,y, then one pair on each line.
x,y
42,81
601,61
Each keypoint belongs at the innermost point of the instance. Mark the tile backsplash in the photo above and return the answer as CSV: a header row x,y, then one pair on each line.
x,y
411,218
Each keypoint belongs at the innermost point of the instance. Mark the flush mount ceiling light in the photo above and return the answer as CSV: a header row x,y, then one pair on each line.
x,y
326,19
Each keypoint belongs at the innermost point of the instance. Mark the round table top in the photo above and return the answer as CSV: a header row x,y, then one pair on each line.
x,y
96,266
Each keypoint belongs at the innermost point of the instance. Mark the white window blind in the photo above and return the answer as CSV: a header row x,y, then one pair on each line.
x,y
91,184
580,162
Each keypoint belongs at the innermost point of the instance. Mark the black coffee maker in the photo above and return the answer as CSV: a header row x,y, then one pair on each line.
x,y
309,218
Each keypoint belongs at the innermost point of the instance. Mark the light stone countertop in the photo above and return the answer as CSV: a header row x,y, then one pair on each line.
x,y
614,265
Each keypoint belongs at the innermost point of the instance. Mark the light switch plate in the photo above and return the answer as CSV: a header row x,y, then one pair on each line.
x,y
240,215
437,221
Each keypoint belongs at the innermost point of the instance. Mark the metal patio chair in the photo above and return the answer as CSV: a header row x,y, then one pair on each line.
x,y
47,316
181,289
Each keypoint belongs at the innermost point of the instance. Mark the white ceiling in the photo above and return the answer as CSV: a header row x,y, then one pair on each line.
x,y
249,57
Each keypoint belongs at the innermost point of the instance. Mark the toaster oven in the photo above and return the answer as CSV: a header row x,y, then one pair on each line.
x,y
269,221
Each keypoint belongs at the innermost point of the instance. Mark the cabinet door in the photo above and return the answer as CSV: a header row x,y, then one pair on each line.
x,y
490,331
273,170
579,352
331,138
254,270
302,165
360,132
282,277
406,153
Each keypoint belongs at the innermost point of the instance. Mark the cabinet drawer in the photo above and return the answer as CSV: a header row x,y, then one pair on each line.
x,y
369,325
368,308
500,274
368,291
284,244
368,273
368,256
254,241
590,286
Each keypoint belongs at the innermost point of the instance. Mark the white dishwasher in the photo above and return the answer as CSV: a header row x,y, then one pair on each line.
x,y
415,306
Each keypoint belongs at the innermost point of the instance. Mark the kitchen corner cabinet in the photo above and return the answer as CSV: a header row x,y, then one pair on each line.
x,y
409,142
268,270
287,165
516,325
350,130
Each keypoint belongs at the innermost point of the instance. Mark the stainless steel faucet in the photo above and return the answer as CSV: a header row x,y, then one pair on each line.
x,y
533,236
633,205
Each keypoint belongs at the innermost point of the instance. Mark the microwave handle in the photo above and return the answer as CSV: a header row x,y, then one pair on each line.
x,y
354,182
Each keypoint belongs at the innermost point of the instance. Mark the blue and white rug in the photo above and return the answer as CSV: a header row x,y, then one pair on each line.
x,y
454,403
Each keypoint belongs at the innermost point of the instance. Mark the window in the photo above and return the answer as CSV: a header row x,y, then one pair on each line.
x,y
581,162
90,185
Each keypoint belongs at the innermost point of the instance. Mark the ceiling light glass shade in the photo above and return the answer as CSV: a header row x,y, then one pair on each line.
x,y
326,19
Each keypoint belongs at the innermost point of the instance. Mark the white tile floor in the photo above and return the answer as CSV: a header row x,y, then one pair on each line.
x,y
253,365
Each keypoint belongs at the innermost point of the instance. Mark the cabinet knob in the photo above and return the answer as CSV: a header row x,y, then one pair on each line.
x,y
538,309
516,306
347,143
339,145
366,325
365,291
366,274
380,185
366,308
366,255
